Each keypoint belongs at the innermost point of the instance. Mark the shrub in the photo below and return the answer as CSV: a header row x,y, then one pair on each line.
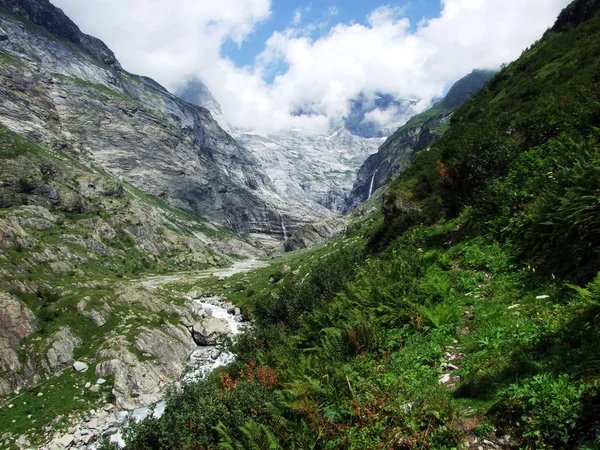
x,y
545,409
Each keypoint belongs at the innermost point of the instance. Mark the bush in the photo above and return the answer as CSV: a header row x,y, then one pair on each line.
x,y
545,409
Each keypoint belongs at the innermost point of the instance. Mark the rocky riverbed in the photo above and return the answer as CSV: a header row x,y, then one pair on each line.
x,y
220,321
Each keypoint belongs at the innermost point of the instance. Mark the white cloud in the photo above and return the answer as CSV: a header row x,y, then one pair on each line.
x,y
297,17
385,55
381,117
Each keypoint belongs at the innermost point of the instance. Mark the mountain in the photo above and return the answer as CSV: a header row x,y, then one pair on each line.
x,y
66,91
77,135
417,134
196,93
311,172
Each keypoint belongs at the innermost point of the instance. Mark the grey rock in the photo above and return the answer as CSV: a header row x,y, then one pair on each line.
x,y
316,233
66,441
141,383
80,366
17,321
42,13
131,127
313,174
209,331
60,352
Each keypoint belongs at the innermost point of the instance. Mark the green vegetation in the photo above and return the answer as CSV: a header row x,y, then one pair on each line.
x,y
469,310
5,58
98,87
50,402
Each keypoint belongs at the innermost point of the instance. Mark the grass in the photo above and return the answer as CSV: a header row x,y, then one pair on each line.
x,y
96,86
61,396
5,58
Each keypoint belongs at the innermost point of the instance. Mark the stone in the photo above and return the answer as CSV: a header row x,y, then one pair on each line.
x,y
17,321
66,441
95,389
209,331
80,366
60,353
445,379
88,385
100,381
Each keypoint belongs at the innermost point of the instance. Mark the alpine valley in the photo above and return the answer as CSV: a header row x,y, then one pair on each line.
x,y
170,281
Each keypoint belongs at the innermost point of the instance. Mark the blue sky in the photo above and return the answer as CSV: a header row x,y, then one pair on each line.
x,y
264,60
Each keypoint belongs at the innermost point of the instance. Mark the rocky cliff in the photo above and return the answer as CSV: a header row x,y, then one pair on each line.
x,y
417,134
63,89
312,172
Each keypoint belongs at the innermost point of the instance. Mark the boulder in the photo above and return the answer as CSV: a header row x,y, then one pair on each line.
x,y
99,315
80,366
210,331
16,319
142,383
60,352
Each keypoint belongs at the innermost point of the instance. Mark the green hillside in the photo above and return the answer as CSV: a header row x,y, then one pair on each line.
x,y
465,315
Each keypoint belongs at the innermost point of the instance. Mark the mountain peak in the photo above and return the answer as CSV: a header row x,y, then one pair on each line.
x,y
466,87
196,93
46,15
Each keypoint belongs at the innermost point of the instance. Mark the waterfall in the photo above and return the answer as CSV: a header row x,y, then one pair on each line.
x,y
372,182
283,228
283,225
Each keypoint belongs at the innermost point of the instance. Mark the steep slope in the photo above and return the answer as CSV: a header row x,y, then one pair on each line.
x,y
417,134
63,89
466,317
196,93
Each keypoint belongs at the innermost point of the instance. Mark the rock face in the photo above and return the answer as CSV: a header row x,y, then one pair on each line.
x,y
314,173
76,98
143,382
393,157
196,93
420,132
44,14
17,322
316,233
60,352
